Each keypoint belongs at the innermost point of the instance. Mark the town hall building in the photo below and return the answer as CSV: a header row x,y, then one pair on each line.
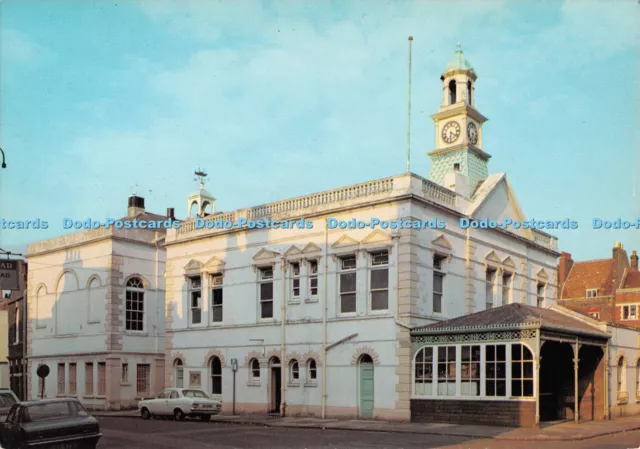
x,y
327,321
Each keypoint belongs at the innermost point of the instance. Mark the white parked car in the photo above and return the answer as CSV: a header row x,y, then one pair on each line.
x,y
180,403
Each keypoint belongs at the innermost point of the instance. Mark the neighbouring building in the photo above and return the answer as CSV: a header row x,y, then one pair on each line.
x,y
96,313
4,347
16,334
606,289
317,321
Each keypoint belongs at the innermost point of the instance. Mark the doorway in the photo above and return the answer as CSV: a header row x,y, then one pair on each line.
x,y
275,385
365,387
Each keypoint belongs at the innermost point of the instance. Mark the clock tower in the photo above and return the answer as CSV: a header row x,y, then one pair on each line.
x,y
457,161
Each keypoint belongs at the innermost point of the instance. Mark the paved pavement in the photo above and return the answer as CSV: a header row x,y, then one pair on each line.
x,y
566,431
119,433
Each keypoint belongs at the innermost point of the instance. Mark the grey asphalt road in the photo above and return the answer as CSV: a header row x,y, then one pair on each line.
x,y
128,433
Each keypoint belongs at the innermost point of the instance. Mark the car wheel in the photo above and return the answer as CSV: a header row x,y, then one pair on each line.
x,y
145,414
206,418
178,415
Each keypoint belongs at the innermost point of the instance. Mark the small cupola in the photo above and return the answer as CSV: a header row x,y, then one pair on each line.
x,y
200,203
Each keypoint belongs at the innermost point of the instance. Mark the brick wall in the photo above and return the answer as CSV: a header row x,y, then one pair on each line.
x,y
498,413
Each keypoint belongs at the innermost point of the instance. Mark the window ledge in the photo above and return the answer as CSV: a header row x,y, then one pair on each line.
x,y
311,384
88,397
293,302
293,384
125,384
93,322
311,300
41,326
100,396
253,384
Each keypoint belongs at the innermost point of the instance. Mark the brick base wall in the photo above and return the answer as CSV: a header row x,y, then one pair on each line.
x,y
497,413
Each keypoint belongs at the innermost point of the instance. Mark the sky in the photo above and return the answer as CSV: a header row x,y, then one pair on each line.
x,y
285,98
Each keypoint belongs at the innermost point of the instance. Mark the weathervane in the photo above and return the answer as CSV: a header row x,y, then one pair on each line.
x,y
200,175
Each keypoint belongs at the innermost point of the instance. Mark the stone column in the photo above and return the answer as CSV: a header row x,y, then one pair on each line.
x,y
112,380
576,401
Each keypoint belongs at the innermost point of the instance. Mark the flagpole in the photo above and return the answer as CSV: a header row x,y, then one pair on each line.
x,y
409,111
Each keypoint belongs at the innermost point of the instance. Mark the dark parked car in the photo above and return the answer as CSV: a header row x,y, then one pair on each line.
x,y
7,399
49,423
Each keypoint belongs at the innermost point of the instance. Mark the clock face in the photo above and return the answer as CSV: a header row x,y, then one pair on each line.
x,y
472,132
451,132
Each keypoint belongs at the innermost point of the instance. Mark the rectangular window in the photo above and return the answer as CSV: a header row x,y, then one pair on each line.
x,y
490,278
438,283
447,371
380,281
521,371
591,292
470,371
295,280
134,310
348,284
73,379
61,381
506,288
195,297
313,278
266,293
88,379
125,373
630,312
596,315
424,372
216,298
496,370
540,294
142,380
102,378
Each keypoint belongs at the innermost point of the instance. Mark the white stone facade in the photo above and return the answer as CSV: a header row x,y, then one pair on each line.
x,y
315,322
81,325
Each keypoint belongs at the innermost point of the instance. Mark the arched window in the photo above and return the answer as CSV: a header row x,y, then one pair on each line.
x,y
452,92
134,307
178,373
521,371
254,370
621,376
193,210
294,371
216,376
93,307
39,303
423,374
312,370
469,90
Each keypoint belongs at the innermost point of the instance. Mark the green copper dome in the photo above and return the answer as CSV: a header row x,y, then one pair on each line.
x,y
458,62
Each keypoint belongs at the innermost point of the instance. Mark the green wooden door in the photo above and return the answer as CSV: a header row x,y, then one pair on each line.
x,y
366,389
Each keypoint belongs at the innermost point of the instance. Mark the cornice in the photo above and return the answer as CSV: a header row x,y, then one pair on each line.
x,y
462,146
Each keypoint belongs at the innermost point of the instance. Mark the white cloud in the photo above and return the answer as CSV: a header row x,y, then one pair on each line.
x,y
16,47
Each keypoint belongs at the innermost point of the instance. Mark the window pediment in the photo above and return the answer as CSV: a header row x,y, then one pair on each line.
x,y
346,243
441,244
214,265
377,240
542,275
293,253
509,264
193,268
265,257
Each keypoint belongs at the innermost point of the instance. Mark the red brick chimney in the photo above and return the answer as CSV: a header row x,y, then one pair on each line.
x,y
634,261
620,262
564,266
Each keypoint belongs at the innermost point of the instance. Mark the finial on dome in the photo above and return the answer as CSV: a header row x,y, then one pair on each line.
x,y
459,47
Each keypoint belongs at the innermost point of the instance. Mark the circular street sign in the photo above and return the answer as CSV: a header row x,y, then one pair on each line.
x,y
43,371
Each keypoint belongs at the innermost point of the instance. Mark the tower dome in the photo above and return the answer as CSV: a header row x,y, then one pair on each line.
x,y
458,61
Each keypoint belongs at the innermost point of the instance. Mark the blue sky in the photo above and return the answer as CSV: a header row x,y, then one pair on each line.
x,y
279,99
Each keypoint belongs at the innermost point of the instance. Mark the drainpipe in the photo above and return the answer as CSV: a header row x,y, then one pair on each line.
x,y
283,347
538,361
324,321
157,262
606,381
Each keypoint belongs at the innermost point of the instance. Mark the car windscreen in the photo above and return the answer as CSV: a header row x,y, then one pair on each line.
x,y
6,400
194,394
53,410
